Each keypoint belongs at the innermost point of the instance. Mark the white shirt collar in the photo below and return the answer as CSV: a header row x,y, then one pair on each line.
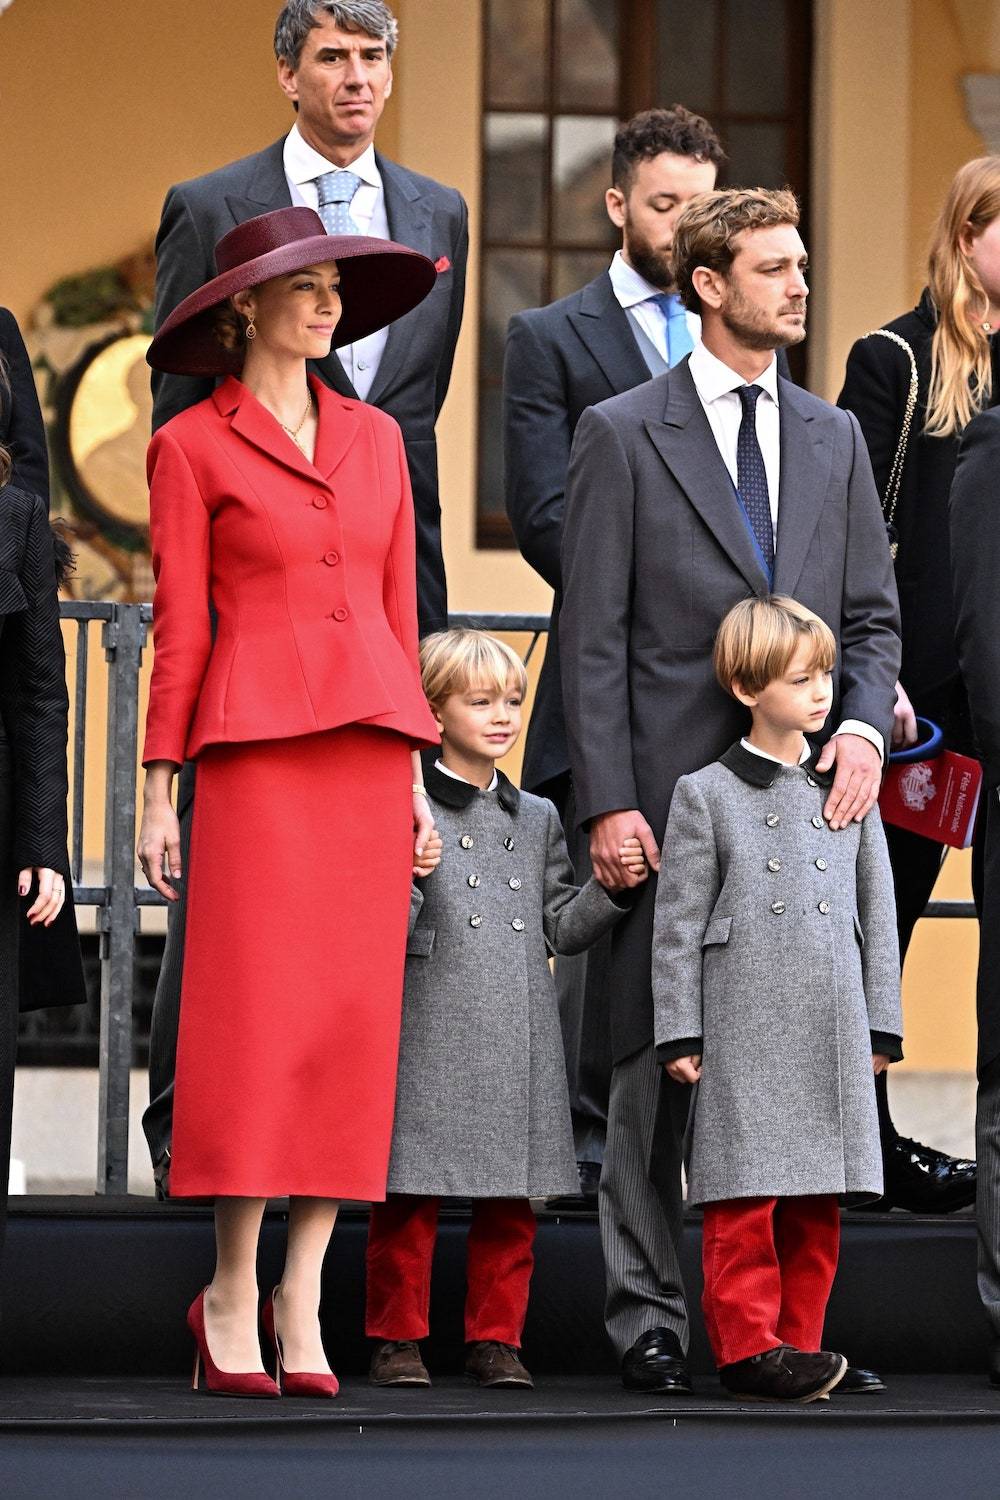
x,y
303,163
440,766
713,379
629,287
754,750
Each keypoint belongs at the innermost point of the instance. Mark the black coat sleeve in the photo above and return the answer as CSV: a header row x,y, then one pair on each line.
x,y
538,437
22,430
183,263
34,704
975,569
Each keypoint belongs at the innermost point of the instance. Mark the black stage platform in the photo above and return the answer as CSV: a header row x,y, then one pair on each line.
x,y
96,1363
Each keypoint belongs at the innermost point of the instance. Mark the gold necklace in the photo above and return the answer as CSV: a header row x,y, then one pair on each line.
x,y
294,435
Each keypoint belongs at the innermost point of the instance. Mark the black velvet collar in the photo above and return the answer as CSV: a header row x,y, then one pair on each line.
x,y
758,772
442,788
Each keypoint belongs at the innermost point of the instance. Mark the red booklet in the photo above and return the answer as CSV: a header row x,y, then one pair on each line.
x,y
937,798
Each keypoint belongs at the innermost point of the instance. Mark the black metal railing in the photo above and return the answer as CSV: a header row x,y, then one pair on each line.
x,y
119,900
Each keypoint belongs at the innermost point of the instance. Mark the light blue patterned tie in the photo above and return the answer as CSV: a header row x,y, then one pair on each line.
x,y
679,340
335,191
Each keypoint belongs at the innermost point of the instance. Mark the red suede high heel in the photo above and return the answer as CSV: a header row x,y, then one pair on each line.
x,y
294,1382
222,1382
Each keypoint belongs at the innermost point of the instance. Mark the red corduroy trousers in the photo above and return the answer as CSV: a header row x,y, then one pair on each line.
x,y
769,1265
401,1236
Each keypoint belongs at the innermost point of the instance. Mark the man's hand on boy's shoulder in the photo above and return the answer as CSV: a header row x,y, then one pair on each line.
x,y
430,857
857,779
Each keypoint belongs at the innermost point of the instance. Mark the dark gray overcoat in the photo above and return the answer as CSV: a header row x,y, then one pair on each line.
x,y
482,1108
775,956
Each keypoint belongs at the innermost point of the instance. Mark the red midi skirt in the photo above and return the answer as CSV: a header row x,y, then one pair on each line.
x,y
298,901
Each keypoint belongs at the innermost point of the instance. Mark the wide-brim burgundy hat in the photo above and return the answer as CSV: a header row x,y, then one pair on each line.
x,y
379,282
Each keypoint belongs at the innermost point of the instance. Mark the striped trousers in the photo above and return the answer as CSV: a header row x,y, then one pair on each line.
x,y
640,1203
988,1191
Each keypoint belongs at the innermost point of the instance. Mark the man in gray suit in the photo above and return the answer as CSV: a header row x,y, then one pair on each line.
x,y
620,330
710,483
334,60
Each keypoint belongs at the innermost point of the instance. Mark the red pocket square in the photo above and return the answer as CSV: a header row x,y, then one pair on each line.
x,y
442,264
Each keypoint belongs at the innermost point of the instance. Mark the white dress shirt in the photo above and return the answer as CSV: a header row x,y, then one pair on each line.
x,y
440,766
717,386
634,294
303,164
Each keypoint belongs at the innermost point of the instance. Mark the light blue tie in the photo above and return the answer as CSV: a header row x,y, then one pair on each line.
x,y
679,340
335,191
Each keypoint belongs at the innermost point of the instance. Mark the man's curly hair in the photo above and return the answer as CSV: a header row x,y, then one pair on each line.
x,y
655,131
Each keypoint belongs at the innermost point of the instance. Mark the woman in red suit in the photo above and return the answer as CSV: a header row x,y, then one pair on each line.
x,y
285,510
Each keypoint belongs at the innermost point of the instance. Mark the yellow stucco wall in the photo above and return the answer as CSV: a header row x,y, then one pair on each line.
x,y
106,103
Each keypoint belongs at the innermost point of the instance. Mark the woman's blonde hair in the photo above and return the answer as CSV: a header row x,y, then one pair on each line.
x,y
759,637
961,370
453,661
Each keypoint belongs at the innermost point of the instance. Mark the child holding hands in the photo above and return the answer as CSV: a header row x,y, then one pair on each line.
x,y
776,991
482,1107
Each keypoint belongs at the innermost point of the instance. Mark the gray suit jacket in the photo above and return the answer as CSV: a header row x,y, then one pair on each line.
x,y
655,552
415,369
559,360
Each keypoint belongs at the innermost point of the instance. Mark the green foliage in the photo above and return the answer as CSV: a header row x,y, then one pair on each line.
x,y
94,297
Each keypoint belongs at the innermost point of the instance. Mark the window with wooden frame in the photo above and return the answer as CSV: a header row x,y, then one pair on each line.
x,y
558,77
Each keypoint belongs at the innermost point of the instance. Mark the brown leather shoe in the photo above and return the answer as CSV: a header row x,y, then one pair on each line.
x,y
397,1362
490,1363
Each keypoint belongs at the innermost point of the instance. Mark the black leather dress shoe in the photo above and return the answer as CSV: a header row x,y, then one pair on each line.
x,y
925,1181
856,1382
590,1179
656,1362
995,1364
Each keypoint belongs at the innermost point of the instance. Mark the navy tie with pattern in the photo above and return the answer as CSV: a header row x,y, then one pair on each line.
x,y
335,191
751,475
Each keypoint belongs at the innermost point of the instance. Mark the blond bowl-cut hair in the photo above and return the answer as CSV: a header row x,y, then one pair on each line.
x,y
454,661
705,232
758,639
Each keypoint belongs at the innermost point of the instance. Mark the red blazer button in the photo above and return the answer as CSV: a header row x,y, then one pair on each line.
x,y
320,502
340,614
331,559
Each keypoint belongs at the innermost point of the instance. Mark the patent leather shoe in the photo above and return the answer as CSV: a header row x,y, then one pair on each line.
x,y
656,1362
924,1181
858,1382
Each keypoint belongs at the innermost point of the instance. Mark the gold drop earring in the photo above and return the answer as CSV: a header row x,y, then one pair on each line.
x,y
251,332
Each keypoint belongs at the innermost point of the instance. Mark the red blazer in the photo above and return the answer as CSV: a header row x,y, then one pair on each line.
x,y
310,568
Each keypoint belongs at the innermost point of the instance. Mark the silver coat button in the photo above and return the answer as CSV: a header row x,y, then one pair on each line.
x,y
821,864
778,907
817,821
774,865
772,820
508,842
475,921
514,883
474,881
466,841
517,924
824,907
810,781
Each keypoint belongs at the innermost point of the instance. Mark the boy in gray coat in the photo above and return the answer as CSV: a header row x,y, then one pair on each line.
x,y
482,1106
776,992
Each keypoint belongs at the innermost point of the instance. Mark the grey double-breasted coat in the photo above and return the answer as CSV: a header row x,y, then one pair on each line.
x,y
775,956
482,1107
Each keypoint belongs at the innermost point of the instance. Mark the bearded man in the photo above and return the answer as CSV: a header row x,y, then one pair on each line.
x,y
716,481
616,333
